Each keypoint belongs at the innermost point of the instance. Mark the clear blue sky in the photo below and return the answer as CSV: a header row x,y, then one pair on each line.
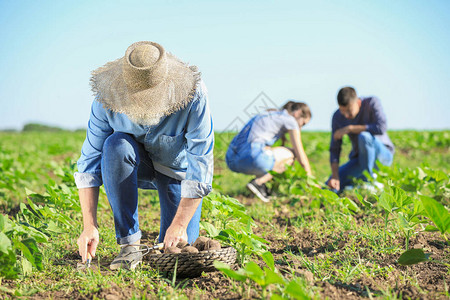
x,y
305,50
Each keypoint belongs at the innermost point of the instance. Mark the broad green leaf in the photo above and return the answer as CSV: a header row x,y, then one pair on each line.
x,y
24,249
350,204
329,195
431,228
5,243
29,192
361,199
2,223
272,277
210,228
259,239
437,175
53,227
31,244
268,259
402,220
296,291
294,190
437,213
413,256
27,266
223,267
400,197
255,273
386,201
421,174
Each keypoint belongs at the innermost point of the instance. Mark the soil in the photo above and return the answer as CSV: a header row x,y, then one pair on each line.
x,y
432,278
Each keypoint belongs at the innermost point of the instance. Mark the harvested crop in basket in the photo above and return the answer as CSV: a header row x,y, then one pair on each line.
x,y
182,244
212,245
172,250
189,249
200,243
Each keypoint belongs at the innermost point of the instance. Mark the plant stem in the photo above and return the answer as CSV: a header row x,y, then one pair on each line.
x,y
385,227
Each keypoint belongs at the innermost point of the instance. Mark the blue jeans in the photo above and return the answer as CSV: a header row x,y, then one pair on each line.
x,y
369,150
252,159
125,163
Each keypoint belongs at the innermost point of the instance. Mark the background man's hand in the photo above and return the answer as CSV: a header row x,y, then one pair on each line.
x,y
334,183
88,242
175,234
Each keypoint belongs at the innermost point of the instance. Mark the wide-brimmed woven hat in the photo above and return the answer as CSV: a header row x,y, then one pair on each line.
x,y
146,84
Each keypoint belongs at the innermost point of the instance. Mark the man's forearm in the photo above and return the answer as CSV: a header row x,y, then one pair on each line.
x,y
357,129
335,170
185,211
89,202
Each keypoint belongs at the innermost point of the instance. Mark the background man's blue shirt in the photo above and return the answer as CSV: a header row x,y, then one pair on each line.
x,y
180,145
372,115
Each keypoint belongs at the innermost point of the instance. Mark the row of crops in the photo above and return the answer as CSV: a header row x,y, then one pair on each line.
x,y
39,209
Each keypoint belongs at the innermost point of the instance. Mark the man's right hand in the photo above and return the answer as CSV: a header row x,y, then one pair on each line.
x,y
88,242
334,183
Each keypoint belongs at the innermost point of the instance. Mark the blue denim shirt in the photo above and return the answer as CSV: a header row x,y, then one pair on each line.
x,y
180,145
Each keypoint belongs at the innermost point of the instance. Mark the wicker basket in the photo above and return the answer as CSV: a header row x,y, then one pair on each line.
x,y
191,264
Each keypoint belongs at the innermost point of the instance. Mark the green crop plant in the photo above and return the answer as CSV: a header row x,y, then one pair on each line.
x,y
264,277
19,252
224,212
406,210
438,214
436,181
231,224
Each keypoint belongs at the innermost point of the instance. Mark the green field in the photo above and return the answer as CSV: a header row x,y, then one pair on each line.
x,y
306,243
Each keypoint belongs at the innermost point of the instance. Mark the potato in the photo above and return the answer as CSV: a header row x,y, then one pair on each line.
x,y
200,243
212,245
189,249
182,244
172,250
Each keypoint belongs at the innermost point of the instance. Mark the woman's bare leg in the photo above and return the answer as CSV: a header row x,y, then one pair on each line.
x,y
283,156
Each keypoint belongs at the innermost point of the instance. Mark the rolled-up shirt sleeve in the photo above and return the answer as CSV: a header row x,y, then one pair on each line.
x,y
199,151
335,145
379,124
89,163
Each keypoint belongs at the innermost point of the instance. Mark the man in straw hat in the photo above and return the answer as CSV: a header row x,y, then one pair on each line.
x,y
150,127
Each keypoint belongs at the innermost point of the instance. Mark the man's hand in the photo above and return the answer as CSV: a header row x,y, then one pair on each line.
x,y
88,242
334,183
177,230
339,134
175,234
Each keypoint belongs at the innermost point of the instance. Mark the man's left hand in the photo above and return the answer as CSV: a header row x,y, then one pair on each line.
x,y
175,234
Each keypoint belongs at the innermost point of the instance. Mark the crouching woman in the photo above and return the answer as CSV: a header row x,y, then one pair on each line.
x,y
250,151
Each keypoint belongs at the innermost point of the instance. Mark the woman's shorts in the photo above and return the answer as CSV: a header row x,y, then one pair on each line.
x,y
252,159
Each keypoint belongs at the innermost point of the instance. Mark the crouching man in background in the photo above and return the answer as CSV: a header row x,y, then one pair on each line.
x,y
364,121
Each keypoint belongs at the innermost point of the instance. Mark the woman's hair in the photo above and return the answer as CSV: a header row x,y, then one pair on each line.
x,y
292,106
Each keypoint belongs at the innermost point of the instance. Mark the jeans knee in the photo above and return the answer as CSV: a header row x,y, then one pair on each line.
x,y
365,138
120,145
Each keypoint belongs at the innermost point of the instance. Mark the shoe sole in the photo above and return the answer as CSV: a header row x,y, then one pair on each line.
x,y
125,266
258,194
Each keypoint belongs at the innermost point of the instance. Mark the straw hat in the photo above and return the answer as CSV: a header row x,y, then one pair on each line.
x,y
146,84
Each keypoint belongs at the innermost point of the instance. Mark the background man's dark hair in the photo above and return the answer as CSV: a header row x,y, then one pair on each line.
x,y
345,95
